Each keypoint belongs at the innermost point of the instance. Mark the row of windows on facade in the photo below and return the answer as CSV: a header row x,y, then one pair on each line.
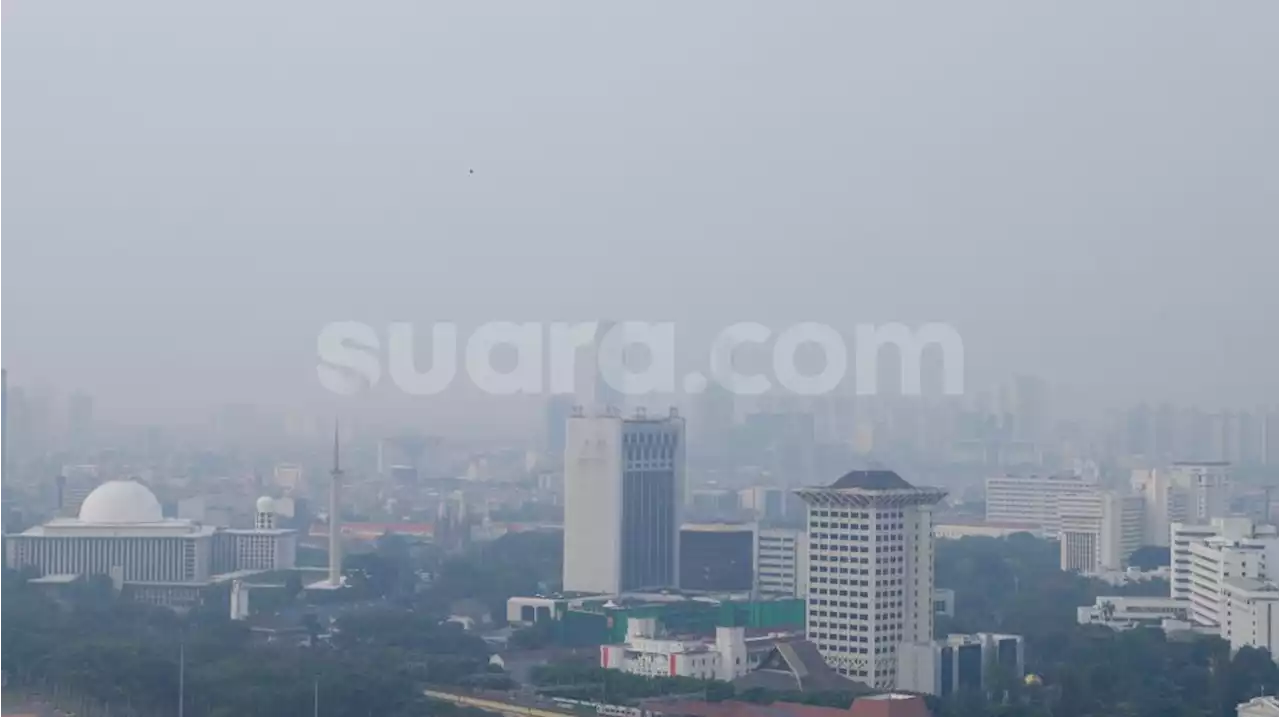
x,y
862,607
891,636
858,514
650,439
840,647
855,527
830,603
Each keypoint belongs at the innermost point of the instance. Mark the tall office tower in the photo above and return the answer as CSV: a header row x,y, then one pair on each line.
x,y
870,571
79,421
1208,484
624,483
1100,530
4,426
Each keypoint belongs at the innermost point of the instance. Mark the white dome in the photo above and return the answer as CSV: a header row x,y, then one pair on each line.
x,y
266,505
121,501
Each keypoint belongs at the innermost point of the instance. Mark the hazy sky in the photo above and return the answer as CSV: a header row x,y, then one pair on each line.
x,y
1086,190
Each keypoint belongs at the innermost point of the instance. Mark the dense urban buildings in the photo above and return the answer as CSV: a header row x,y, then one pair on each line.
x,y
624,495
870,571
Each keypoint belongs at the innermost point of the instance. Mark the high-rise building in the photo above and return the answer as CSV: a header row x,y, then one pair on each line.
x,y
870,571
624,490
1099,530
4,421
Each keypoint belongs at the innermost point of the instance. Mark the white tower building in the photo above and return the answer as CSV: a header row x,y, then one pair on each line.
x,y
624,491
335,520
870,571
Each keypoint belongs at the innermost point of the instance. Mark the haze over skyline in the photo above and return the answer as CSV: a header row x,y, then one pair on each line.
x,y
1086,192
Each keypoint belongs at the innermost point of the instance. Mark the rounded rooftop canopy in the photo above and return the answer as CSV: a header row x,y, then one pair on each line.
x,y
120,502
265,504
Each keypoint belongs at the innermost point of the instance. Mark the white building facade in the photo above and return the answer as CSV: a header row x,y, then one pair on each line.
x,y
781,562
1208,485
1250,613
1202,556
870,572
646,654
624,493
1031,499
121,532
1099,530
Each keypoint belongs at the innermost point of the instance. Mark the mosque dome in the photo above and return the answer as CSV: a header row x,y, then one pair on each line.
x,y
121,502
265,504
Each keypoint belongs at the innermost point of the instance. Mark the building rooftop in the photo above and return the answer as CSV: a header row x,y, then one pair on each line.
x,y
872,480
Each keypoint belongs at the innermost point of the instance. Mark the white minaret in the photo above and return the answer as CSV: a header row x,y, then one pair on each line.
x,y
335,544
265,514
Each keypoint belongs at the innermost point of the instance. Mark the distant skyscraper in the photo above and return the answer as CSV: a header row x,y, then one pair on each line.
x,y
870,571
558,411
4,426
1031,409
624,492
79,421
1209,486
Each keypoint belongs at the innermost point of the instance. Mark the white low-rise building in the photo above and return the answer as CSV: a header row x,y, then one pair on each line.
x,y
1032,499
1121,612
729,656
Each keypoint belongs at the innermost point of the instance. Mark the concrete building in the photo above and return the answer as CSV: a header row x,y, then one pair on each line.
x,y
870,571
1163,503
645,653
1205,556
1250,613
944,602
717,557
1099,530
624,488
960,662
1208,485
1031,499
121,532
781,560
1123,612
955,529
